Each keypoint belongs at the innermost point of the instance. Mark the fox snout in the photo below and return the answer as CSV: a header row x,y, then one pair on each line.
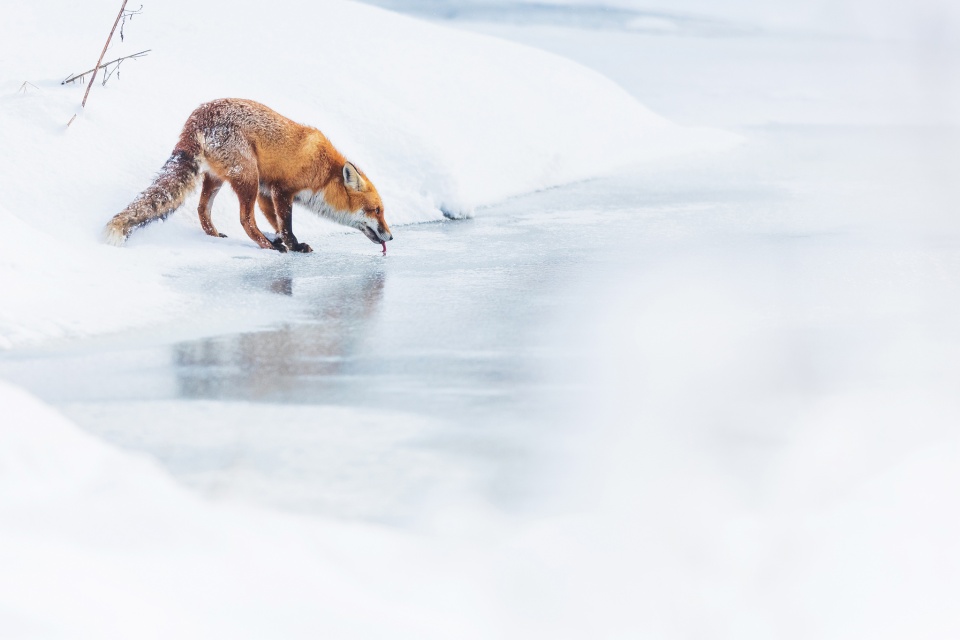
x,y
377,233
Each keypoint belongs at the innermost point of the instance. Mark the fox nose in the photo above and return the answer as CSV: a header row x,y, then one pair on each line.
x,y
387,237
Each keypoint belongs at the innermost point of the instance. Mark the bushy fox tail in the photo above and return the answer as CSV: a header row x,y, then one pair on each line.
x,y
173,184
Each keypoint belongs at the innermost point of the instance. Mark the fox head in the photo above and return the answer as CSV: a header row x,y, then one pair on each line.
x,y
349,198
365,205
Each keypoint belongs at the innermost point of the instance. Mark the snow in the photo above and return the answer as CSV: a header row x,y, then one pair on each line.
x,y
750,368
369,456
56,289
442,121
100,544
785,468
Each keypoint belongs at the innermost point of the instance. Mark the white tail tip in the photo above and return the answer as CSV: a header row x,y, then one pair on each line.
x,y
113,236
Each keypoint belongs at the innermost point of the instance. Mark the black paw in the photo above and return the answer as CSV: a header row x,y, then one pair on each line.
x,y
302,247
222,235
278,245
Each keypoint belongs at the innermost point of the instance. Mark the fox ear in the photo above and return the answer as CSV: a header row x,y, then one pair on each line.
x,y
351,177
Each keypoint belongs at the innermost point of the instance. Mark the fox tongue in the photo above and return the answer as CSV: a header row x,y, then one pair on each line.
x,y
384,245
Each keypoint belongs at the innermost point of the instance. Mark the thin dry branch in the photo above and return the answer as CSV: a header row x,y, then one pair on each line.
x,y
79,76
106,44
128,15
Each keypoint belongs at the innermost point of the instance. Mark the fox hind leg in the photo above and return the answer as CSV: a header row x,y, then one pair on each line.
x,y
235,159
211,185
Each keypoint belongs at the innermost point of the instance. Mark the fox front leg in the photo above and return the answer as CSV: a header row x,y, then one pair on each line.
x,y
247,195
283,205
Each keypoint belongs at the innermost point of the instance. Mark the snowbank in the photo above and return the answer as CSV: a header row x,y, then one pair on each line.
x,y
99,544
443,121
54,289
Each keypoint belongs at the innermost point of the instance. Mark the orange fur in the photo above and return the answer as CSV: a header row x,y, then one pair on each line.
x,y
265,157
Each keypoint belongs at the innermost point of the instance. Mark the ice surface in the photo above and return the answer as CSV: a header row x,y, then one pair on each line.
x,y
888,19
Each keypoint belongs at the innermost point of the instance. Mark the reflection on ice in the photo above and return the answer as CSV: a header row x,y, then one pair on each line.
x,y
282,285
262,365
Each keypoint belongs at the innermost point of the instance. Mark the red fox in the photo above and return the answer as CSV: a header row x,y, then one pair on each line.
x,y
266,158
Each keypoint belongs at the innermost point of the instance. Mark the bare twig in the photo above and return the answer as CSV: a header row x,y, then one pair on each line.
x,y
23,87
96,67
108,73
128,15
80,76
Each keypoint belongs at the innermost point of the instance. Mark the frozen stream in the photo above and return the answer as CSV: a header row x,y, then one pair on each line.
x,y
436,355
463,366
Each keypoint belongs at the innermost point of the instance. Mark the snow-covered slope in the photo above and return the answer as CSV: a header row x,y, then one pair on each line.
x,y
95,543
443,121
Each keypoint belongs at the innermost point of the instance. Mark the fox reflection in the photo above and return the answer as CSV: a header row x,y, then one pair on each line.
x,y
274,364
